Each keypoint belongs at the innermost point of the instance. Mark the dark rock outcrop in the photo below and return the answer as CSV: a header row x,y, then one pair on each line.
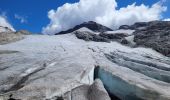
x,y
101,37
90,25
156,36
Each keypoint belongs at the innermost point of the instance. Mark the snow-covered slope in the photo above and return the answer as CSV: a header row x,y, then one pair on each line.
x,y
42,66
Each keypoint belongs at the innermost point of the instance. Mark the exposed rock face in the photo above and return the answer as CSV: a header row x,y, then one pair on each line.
x,y
90,25
156,35
8,37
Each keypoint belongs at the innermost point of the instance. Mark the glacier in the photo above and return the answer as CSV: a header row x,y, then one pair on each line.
x,y
45,67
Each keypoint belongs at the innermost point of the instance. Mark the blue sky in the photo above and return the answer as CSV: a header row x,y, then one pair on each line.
x,y
35,12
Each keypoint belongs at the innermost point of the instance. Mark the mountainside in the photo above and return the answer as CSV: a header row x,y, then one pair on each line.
x,y
155,35
88,64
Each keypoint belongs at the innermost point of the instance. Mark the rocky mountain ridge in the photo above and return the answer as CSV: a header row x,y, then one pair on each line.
x,y
90,25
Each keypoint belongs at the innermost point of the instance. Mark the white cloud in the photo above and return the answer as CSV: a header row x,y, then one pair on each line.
x,y
167,19
5,23
101,11
21,18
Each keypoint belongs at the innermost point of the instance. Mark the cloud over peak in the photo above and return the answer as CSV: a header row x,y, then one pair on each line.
x,y
101,11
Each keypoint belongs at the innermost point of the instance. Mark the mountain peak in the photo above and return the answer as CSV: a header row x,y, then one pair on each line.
x,y
96,27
